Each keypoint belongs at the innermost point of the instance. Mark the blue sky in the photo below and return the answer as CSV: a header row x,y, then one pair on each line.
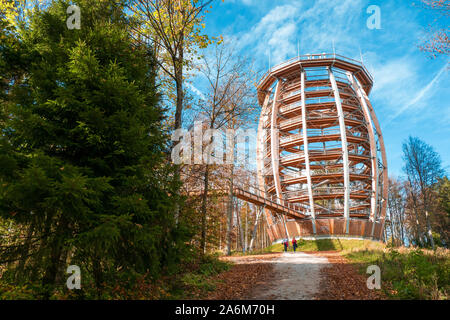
x,y
411,90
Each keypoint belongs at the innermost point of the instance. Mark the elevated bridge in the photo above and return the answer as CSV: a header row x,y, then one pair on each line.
x,y
274,204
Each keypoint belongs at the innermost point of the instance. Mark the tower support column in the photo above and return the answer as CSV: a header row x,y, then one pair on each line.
x,y
306,152
373,147
275,143
343,132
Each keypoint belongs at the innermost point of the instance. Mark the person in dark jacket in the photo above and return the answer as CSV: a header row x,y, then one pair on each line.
x,y
286,245
294,244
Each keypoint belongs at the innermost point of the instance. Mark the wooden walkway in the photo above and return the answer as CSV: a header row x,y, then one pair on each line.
x,y
286,208
276,205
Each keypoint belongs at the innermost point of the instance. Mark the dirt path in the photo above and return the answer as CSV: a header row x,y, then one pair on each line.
x,y
293,276
296,276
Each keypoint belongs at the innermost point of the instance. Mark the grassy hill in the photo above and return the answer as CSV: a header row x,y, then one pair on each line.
x,y
408,273
322,245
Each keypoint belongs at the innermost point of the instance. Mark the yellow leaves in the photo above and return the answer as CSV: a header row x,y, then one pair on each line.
x,y
9,10
219,39
175,24
18,10
201,40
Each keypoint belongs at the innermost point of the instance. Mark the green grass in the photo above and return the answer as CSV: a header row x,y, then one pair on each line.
x,y
408,273
320,245
198,282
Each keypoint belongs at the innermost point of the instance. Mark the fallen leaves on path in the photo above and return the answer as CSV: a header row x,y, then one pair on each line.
x,y
247,271
341,280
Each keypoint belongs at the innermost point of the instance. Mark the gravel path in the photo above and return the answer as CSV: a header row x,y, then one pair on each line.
x,y
296,276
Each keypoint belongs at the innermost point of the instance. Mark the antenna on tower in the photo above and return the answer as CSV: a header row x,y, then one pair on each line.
x,y
361,55
298,48
334,50
270,67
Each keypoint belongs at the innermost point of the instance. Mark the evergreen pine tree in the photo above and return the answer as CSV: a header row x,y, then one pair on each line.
x,y
84,174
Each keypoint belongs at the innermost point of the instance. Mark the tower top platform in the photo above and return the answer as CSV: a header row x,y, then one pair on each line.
x,y
287,68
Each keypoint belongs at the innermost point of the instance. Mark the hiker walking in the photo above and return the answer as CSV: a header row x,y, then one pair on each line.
x,y
286,244
294,244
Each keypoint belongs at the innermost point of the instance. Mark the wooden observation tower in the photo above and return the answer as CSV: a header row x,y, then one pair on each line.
x,y
320,149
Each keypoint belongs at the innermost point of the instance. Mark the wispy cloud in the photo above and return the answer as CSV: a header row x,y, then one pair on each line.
x,y
196,91
275,32
395,81
419,96
246,2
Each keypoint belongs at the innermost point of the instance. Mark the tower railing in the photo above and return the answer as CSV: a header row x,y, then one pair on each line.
x,y
309,57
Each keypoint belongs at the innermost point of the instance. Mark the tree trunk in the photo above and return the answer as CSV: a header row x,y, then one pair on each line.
x,y
419,230
204,208
402,233
255,228
178,70
56,246
25,252
51,270
220,235
44,243
97,273
236,236
266,236
246,229
430,233
230,211
283,218
239,225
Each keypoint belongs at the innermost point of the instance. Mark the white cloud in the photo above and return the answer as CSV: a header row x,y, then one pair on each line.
x,y
276,31
281,42
315,28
